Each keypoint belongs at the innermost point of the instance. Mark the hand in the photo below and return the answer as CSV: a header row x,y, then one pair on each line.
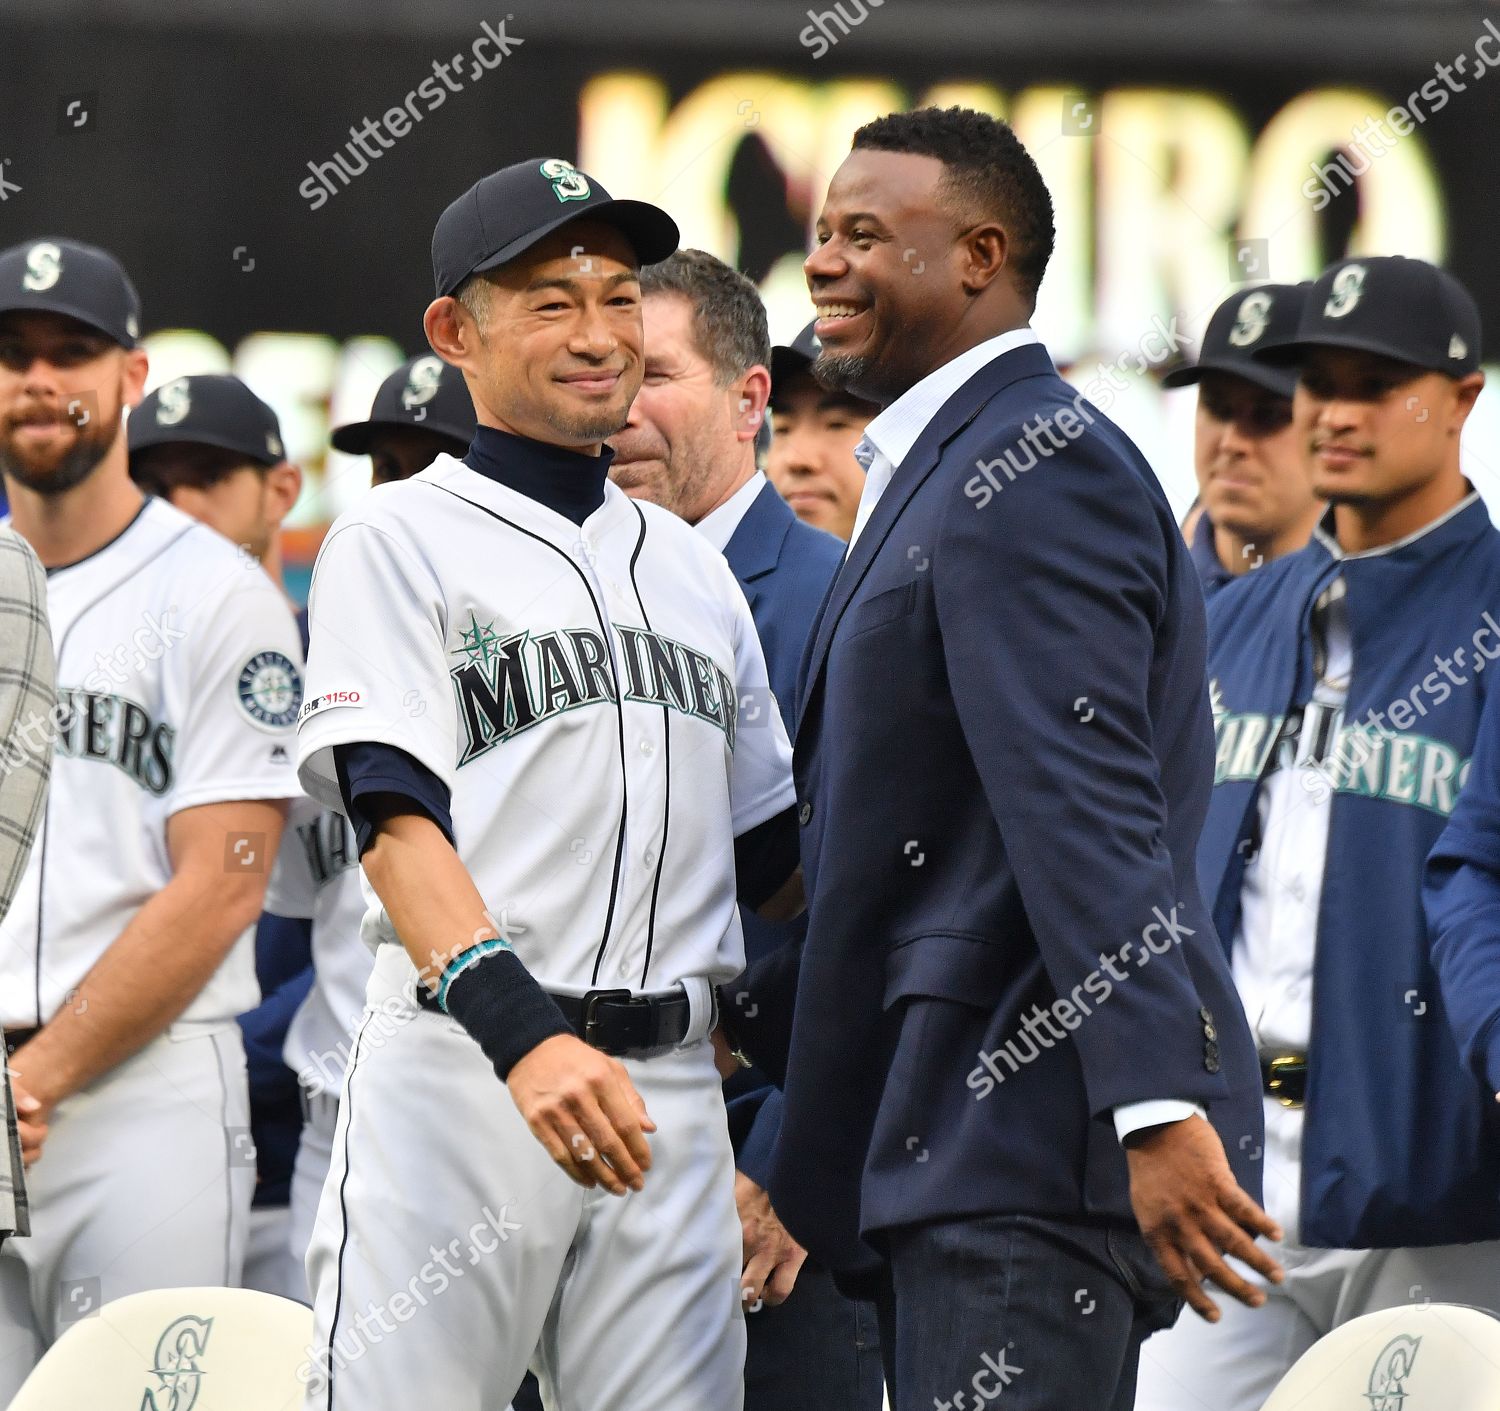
x,y
1191,1209
773,1259
33,1117
581,1105
724,1061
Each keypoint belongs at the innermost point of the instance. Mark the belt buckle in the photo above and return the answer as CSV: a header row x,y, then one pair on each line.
x,y
591,1002
1279,1066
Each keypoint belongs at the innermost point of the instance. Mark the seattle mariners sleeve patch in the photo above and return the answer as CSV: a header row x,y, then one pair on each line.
x,y
270,689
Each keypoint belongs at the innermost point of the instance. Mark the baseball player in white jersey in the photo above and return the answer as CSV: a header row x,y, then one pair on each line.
x,y
420,411
524,694
179,677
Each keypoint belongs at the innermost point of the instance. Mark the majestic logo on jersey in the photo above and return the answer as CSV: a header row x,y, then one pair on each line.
x,y
270,688
507,684
328,842
1348,286
179,1365
568,183
103,726
1251,319
43,267
1388,1376
1360,759
173,402
422,383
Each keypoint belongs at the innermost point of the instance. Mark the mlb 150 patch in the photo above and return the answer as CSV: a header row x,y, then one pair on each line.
x,y
270,689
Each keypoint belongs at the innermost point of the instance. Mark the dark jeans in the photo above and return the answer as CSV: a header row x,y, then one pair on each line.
x,y
818,1351
1032,1313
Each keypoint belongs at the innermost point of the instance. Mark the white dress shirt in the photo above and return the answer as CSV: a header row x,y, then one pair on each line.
x,y
718,525
887,442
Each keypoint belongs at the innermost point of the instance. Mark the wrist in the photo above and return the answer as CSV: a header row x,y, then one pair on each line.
x,y
499,1004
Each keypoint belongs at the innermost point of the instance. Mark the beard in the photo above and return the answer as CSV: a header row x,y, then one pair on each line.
x,y
842,372
57,473
596,425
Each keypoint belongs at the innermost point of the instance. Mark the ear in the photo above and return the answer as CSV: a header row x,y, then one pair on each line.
x,y
133,376
984,252
283,487
1465,392
451,332
751,396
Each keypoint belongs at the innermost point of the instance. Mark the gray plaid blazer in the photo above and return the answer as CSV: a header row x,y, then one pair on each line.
x,y
27,697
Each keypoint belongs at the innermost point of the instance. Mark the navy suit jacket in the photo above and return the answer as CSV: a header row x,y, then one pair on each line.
x,y
1004,758
785,567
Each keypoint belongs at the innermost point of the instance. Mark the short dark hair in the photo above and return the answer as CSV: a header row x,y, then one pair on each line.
x,y
988,172
172,464
729,320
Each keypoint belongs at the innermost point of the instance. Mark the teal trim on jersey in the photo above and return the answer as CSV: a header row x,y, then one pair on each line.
x,y
467,961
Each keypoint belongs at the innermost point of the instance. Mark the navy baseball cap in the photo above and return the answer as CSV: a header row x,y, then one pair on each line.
x,y
425,393
507,212
210,409
789,359
58,276
1239,326
1388,304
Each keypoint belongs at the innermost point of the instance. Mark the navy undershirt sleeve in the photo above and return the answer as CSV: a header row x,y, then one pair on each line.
x,y
367,768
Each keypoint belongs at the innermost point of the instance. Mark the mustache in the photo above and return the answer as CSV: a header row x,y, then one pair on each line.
x,y
638,446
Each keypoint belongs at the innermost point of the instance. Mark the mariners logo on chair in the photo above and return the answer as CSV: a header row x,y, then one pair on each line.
x,y
179,1352
1388,1375
270,688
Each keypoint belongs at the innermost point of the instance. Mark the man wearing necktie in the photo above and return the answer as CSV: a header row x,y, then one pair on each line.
x,y
1022,1102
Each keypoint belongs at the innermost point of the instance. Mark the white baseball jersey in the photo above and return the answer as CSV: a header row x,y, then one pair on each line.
x,y
179,676
317,877
576,689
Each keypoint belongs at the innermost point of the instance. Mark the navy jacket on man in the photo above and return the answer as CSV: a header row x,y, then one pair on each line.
x,y
1401,1145
1004,756
785,567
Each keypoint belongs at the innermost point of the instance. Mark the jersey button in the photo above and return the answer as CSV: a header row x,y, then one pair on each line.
x,y
804,814
647,748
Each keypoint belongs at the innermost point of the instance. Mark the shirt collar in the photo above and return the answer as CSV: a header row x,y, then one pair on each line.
x,y
1325,536
718,525
895,430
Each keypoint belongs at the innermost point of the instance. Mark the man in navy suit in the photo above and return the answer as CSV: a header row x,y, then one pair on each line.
x,y
690,446
1022,1103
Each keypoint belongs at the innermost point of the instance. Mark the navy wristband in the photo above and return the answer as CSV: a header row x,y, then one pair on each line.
x,y
499,1004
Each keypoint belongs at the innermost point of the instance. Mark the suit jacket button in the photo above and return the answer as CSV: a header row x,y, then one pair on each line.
x,y
1205,1015
804,814
1211,1056
1210,1033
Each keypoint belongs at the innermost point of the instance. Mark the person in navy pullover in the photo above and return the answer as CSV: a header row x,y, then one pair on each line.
x,y
1347,682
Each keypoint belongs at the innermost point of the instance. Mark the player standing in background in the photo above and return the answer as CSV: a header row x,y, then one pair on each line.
x,y
212,449
689,446
27,694
420,411
578,658
1347,683
815,430
180,676
1255,496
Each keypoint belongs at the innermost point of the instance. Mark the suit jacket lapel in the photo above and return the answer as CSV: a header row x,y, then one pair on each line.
x,y
957,412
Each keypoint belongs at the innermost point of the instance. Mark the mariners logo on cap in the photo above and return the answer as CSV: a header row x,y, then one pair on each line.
x,y
1348,285
1251,319
173,402
568,183
43,267
422,382
270,688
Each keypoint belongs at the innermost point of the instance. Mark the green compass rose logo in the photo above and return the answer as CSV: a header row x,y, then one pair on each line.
x,y
480,644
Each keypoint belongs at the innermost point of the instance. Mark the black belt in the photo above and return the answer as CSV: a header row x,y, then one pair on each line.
x,y
616,1022
1284,1077
14,1038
